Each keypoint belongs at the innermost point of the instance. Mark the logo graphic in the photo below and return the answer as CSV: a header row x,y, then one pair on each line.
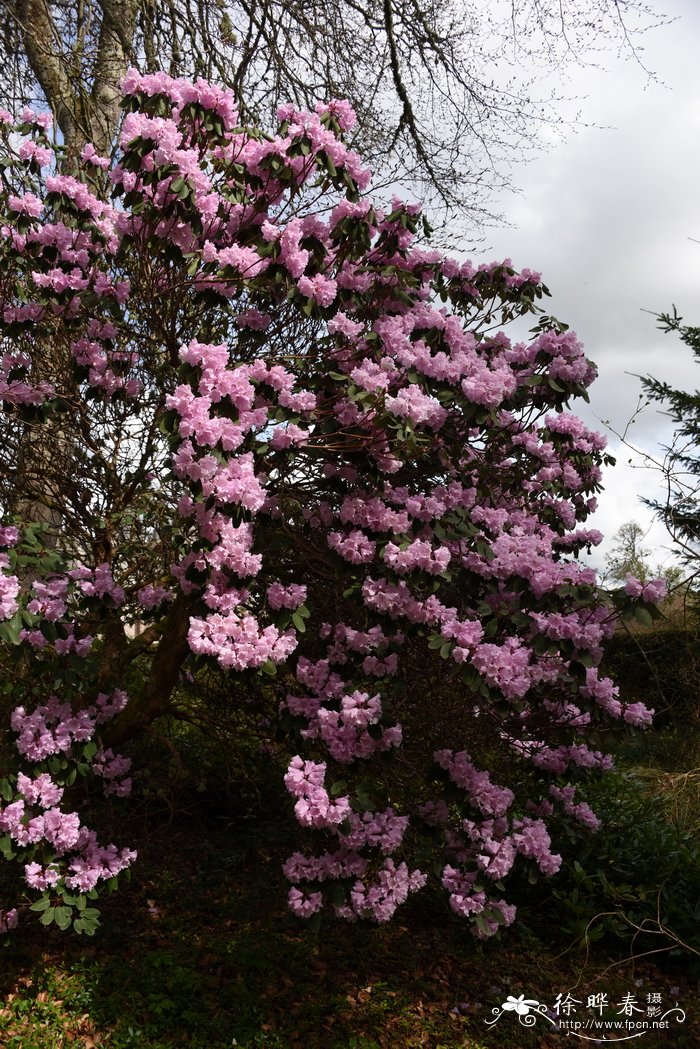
x,y
623,1020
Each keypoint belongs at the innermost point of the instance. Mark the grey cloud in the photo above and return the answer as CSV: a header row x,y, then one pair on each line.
x,y
607,217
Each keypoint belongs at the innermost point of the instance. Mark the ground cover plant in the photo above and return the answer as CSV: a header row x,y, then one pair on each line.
x,y
254,427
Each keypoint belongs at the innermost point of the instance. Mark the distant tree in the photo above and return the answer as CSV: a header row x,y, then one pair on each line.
x,y
435,84
630,558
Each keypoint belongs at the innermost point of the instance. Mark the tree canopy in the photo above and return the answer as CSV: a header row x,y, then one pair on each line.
x,y
447,93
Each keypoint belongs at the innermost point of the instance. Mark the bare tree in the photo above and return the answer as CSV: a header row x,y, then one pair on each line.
x,y
446,90
629,557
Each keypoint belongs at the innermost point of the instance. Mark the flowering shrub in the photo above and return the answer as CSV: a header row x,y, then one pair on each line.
x,y
263,422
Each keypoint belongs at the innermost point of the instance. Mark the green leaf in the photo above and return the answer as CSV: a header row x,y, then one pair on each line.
x,y
482,924
364,800
63,917
268,667
299,623
6,847
10,630
41,904
48,916
89,749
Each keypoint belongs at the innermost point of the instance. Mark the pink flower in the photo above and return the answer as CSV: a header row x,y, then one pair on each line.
x,y
655,590
27,204
633,587
279,596
305,904
8,919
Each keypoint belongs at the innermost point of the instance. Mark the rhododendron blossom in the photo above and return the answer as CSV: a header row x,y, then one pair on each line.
x,y
270,431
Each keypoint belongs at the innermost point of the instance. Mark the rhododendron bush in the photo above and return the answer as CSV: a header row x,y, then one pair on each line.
x,y
249,419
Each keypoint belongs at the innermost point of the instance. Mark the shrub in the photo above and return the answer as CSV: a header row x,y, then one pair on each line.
x,y
250,421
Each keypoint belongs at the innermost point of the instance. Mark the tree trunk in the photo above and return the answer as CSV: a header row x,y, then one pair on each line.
x,y
155,697
64,68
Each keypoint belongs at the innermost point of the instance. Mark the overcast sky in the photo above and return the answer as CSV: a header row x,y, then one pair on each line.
x,y
607,217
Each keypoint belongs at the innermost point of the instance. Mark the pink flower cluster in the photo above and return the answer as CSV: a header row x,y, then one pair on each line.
x,y
653,591
581,810
150,596
237,641
183,93
53,728
467,901
389,888
15,390
9,589
69,852
232,631
484,795
305,780
383,830
279,596
113,768
347,722
376,898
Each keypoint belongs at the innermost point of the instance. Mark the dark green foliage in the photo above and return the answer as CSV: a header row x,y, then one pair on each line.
x,y
661,669
681,510
636,879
